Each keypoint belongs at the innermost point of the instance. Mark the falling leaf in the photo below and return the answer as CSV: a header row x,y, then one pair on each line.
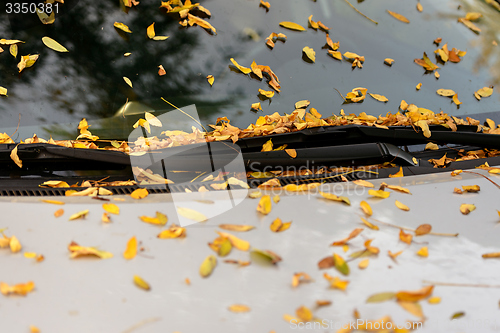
x,y
364,263
239,308
415,296
278,226
208,266
467,208
111,208
423,252
265,205
127,80
469,25
419,86
333,197
381,297
292,26
131,250
379,98
59,212
344,241
437,75
299,278
304,314
379,193
122,27
105,218
335,282
399,17
139,193
139,282
152,119
434,300
80,215
173,232
446,92
13,50
210,79
236,227
309,53
29,255
291,152
52,44
366,208
161,70
276,199
78,251
402,206
404,237
15,157
244,70
398,174
18,289
388,61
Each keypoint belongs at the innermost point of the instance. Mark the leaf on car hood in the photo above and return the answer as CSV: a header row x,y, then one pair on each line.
x,y
141,283
344,241
398,17
191,214
278,226
131,249
309,53
122,27
19,289
15,157
414,296
208,265
52,44
173,232
292,26
139,193
80,215
78,251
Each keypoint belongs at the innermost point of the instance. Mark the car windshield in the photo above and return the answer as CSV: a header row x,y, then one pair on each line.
x,y
113,71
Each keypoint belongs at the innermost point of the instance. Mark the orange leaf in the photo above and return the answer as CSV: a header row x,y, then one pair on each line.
x,y
236,227
415,296
139,193
404,237
131,250
398,174
19,289
423,229
59,212
299,278
423,252
353,234
238,308
399,17
278,226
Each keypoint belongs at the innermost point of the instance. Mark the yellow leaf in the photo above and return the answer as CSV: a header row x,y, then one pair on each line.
x,y
127,80
244,70
437,75
77,251
122,27
255,194
300,188
105,218
236,227
292,26
29,255
455,99
485,91
396,188
55,202
191,214
364,183
210,79
19,289
310,53
398,174
52,44
469,25
434,300
15,245
304,313
151,31
127,54
80,215
364,263
445,92
278,226
238,308
404,237
59,212
335,54
160,37
471,16
200,22
15,158
402,206
491,255
467,208
256,106
335,282
431,146
331,196
139,282
423,252
300,278
265,205
131,250
419,86
312,23
394,255
366,208
302,104
379,98
236,181
419,7
353,234
369,225
111,208
399,17
388,61
413,308
415,296
172,232
264,4
471,188
3,91
13,50
238,243
379,193
139,193
208,265
276,198
268,94
152,120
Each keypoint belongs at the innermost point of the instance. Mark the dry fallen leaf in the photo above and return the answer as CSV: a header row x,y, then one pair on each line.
x,y
402,206
379,98
52,44
244,70
139,282
434,300
309,53
236,227
210,79
78,251
423,229
344,241
161,70
127,80
335,282
333,197
423,252
469,25
265,205
366,208
369,225
292,26
420,8
381,297
238,243
404,237
238,308
122,27
111,208
445,92
265,5
388,61
394,255
173,232
414,296
364,263
398,174
467,208
15,158
59,212
398,17
208,266
131,250
379,193
419,86
80,215
483,92
278,226
139,193
18,289
299,278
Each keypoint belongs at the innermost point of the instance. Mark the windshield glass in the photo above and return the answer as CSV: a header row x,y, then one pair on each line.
x,y
51,96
